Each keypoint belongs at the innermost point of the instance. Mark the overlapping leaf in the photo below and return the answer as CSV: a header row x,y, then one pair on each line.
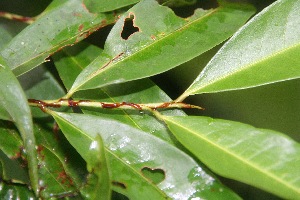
x,y
60,173
15,192
70,63
66,23
264,51
130,150
98,185
41,84
11,155
263,158
13,99
6,36
105,6
154,49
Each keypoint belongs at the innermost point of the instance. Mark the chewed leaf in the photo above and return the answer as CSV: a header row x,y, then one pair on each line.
x,y
131,152
64,24
262,158
264,51
158,37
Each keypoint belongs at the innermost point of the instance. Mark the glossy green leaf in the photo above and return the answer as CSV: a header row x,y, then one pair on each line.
x,y
12,170
13,99
72,60
15,192
6,35
263,158
264,51
8,29
131,150
141,91
97,185
11,154
61,173
4,114
40,83
154,49
104,5
66,23
12,143
177,3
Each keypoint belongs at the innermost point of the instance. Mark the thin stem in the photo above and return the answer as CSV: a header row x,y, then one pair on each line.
x,y
181,97
43,104
11,16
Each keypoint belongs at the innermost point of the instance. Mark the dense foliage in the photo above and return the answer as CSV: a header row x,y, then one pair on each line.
x,y
80,117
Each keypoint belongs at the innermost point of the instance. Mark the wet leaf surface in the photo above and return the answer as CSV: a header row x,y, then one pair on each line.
x,y
137,91
130,150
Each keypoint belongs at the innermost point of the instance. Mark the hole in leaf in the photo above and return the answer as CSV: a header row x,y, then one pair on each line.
x,y
188,7
129,28
119,184
155,175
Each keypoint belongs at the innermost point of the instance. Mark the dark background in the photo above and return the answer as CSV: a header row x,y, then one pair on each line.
x,y
275,106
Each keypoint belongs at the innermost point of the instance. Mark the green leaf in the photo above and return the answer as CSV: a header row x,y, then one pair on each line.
x,y
6,35
66,23
98,182
141,91
61,169
12,170
104,5
12,144
154,49
4,114
263,158
264,51
11,155
15,192
72,60
92,151
40,83
177,3
131,150
13,99
8,29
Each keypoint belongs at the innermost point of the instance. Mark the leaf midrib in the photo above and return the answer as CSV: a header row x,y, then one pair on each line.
x,y
54,48
231,153
101,69
247,66
110,152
